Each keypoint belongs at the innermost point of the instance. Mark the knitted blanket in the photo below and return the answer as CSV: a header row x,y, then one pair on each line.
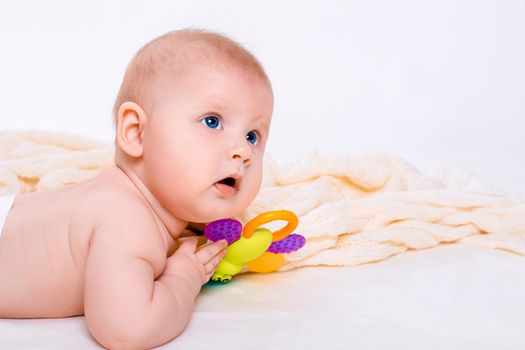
x,y
353,209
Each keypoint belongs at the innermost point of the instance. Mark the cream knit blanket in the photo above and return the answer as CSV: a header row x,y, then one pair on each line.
x,y
352,209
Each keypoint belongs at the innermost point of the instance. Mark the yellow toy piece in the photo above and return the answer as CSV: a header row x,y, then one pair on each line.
x,y
240,252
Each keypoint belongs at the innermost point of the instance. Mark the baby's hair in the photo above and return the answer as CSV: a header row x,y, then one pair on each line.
x,y
175,52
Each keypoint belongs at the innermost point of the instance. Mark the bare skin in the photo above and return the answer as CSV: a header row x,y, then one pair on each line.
x,y
192,121
107,247
48,279
60,233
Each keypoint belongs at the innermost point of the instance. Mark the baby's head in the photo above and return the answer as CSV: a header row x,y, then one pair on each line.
x,y
192,121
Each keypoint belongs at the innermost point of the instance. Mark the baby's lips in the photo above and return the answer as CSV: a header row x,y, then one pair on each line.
x,y
237,177
238,180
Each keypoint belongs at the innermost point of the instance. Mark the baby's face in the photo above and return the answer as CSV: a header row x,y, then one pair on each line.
x,y
204,142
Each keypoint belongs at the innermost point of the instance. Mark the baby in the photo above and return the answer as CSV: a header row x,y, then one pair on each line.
x,y
192,120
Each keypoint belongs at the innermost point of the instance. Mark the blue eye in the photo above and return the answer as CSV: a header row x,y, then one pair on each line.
x,y
252,137
212,122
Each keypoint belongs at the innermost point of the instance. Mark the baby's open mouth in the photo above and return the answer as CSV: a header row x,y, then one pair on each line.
x,y
229,181
229,186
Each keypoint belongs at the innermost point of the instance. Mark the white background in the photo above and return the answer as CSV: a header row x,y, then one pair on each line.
x,y
429,81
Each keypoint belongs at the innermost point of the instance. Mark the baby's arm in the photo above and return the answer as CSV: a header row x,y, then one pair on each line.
x,y
125,306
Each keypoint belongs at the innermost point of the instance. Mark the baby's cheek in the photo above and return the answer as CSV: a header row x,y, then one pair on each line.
x,y
252,191
258,180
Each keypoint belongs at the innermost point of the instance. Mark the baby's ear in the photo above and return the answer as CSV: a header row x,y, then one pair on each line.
x,y
131,120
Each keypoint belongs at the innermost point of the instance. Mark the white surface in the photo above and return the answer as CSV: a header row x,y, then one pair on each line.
x,y
449,297
430,81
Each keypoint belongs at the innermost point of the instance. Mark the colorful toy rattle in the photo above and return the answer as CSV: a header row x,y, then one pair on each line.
x,y
257,247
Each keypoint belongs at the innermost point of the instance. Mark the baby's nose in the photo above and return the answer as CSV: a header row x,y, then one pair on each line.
x,y
245,161
242,151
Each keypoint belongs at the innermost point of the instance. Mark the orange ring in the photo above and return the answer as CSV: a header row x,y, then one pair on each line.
x,y
267,217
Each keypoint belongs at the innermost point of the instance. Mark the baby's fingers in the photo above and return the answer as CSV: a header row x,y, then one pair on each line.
x,y
208,252
211,266
189,245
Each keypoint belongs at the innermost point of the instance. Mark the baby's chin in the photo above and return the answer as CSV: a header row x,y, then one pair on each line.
x,y
210,209
212,215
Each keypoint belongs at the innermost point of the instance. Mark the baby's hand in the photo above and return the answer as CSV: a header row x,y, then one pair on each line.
x,y
190,262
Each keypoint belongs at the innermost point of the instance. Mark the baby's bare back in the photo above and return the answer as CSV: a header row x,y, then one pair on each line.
x,y
45,242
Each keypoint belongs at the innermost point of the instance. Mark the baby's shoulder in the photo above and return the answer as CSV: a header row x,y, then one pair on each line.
x,y
124,218
129,229
118,204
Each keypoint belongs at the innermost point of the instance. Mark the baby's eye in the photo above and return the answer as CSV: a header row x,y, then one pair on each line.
x,y
212,122
252,137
